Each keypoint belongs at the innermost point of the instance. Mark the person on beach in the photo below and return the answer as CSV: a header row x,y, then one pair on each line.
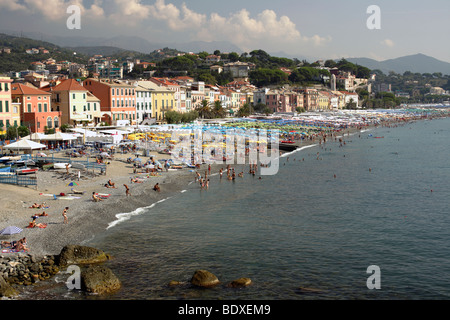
x,y
127,190
67,168
111,184
221,173
156,187
64,214
95,197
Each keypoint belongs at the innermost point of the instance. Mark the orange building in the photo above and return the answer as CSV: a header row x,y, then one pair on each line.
x,y
35,108
117,100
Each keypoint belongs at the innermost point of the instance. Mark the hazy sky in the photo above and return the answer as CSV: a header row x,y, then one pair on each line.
x,y
317,28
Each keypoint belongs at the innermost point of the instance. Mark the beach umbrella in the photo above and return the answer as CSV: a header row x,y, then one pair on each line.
x,y
137,159
72,184
10,231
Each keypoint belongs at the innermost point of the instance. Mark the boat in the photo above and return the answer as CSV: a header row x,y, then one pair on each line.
x,y
61,165
5,169
26,170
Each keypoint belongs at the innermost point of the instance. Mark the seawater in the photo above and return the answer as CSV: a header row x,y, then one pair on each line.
x,y
328,214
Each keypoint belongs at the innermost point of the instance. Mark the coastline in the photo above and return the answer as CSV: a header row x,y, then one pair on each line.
x,y
87,218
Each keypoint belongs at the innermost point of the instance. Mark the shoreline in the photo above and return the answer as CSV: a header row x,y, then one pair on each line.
x,y
87,218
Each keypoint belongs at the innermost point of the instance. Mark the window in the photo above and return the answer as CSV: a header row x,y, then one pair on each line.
x,y
84,95
6,87
56,121
74,108
49,122
39,98
95,106
1,106
73,96
45,107
1,124
28,107
89,107
112,91
113,103
39,107
8,124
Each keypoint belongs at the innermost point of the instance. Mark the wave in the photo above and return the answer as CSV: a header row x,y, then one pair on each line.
x,y
297,150
121,217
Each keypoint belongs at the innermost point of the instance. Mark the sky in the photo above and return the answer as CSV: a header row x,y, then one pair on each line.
x,y
320,29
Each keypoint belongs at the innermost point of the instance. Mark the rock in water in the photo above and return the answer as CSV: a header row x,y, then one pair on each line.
x,y
203,278
240,283
74,254
100,280
5,289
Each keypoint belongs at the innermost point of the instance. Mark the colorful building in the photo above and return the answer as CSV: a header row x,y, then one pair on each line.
x,y
9,112
71,98
117,100
35,108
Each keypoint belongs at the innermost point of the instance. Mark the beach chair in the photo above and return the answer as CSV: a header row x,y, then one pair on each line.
x,y
55,197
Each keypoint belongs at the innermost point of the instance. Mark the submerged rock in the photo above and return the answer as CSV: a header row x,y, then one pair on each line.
x,y
74,254
240,283
203,278
100,280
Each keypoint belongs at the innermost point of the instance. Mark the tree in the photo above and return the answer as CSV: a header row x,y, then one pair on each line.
x,y
218,109
203,110
244,111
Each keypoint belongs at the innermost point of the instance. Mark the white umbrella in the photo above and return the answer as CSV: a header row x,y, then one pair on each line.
x,y
25,144
10,231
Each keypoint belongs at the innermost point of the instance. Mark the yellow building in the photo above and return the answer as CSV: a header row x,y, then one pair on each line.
x,y
163,99
9,111
323,101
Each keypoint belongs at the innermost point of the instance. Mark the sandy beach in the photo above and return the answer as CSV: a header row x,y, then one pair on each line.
x,y
85,217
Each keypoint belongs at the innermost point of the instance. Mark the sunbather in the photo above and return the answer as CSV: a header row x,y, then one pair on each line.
x,y
95,197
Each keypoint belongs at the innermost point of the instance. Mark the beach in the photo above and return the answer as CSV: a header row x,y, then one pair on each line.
x,y
87,218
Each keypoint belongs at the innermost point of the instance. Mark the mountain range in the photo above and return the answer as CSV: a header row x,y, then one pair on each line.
x,y
417,63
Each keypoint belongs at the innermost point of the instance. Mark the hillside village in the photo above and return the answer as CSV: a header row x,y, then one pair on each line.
x,y
52,94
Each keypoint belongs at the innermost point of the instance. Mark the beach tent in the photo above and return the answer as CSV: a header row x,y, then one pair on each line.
x,y
25,144
34,136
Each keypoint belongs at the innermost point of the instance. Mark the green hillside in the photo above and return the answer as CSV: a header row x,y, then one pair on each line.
x,y
19,60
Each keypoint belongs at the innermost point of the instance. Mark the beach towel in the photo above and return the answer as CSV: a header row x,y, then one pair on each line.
x,y
11,250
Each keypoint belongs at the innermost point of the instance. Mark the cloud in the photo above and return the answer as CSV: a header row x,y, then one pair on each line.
x,y
11,5
241,27
388,43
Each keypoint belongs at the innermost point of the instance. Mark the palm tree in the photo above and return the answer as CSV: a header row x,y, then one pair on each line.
x,y
218,109
203,110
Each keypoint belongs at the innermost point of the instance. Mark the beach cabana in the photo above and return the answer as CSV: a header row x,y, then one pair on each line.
x,y
25,145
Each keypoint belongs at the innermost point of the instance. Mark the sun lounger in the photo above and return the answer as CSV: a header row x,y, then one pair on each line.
x,y
77,192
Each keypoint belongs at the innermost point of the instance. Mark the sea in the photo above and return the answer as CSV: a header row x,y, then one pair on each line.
x,y
367,219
